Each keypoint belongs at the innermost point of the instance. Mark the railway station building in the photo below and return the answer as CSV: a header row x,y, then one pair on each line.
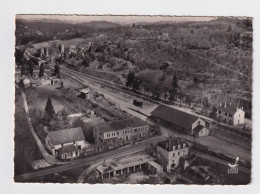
x,y
178,120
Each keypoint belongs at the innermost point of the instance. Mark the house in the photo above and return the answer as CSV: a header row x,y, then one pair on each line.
x,y
119,131
85,93
170,151
65,143
230,114
179,120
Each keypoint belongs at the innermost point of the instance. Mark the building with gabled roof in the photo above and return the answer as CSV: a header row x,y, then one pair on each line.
x,y
230,114
179,120
65,143
170,151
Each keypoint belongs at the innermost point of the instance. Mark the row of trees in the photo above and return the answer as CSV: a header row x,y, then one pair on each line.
x,y
170,93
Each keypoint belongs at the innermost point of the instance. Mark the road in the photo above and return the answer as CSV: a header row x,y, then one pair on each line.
x,y
90,160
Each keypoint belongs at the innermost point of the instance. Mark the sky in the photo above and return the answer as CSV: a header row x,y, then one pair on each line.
x,y
115,19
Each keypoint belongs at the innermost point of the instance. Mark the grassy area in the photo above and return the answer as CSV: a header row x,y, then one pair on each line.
x,y
25,147
68,176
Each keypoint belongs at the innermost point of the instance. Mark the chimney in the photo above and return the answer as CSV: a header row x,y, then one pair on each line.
x,y
242,108
220,104
237,108
225,104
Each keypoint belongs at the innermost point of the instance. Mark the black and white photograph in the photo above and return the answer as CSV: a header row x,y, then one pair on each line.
x,y
133,99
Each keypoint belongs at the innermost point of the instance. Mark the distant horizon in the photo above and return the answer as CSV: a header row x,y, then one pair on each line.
x,y
119,19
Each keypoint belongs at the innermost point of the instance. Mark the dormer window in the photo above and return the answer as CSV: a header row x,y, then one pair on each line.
x,y
173,148
184,145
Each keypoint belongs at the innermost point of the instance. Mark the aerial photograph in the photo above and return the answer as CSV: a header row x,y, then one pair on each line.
x,y
103,99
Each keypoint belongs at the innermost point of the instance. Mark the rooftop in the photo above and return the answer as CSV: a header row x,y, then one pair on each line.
x,y
85,90
168,144
227,107
124,162
174,116
66,136
67,149
121,124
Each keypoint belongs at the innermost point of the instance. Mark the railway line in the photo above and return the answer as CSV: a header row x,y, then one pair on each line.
x,y
83,77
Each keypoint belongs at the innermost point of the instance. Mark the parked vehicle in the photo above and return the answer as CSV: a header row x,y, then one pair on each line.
x,y
138,103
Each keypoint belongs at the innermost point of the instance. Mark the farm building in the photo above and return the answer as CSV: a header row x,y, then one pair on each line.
x,y
179,120
65,143
231,114
170,151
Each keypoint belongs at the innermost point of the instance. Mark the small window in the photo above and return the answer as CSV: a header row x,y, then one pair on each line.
x,y
219,112
117,133
179,153
173,155
225,114
198,122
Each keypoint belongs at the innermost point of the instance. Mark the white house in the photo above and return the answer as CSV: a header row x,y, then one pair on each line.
x,y
231,114
65,143
170,151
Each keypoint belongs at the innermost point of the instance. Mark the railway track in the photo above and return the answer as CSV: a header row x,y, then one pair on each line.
x,y
85,77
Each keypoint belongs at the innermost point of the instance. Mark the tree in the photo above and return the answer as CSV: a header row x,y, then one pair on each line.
x,y
171,96
196,80
130,79
86,128
175,83
165,93
49,110
31,68
41,72
56,70
23,69
136,84
175,86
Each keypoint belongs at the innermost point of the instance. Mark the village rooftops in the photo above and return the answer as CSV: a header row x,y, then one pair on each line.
x,y
66,136
172,143
228,107
121,124
174,116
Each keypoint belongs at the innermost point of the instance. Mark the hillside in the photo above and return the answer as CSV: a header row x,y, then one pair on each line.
x,y
212,60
